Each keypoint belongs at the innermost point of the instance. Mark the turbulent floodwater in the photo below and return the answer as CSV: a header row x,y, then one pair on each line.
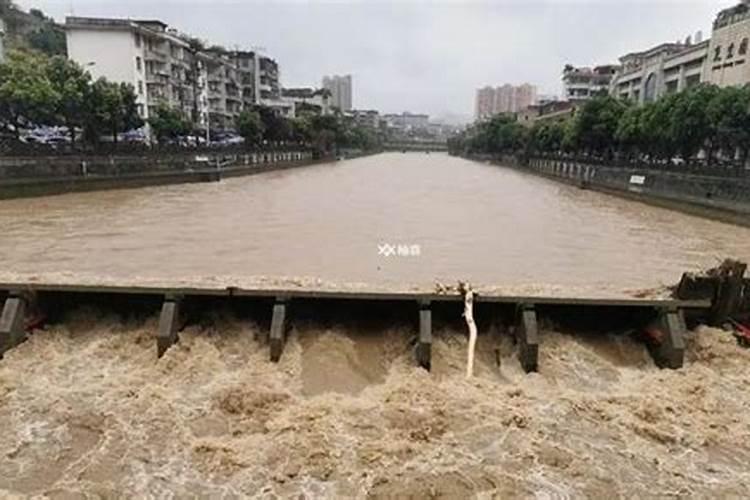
x,y
323,225
87,411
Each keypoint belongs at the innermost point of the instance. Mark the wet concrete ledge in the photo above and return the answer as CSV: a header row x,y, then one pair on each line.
x,y
726,199
27,304
53,176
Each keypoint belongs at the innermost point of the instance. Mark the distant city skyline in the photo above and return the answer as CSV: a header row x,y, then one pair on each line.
x,y
423,57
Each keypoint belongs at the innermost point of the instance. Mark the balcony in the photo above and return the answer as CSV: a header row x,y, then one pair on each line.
x,y
155,54
157,78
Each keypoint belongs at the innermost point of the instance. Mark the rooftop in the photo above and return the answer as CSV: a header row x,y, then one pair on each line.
x,y
732,15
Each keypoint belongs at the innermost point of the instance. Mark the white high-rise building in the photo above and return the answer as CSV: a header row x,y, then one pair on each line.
x,y
340,88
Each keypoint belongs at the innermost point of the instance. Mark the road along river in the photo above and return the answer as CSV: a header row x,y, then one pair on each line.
x,y
86,410
390,221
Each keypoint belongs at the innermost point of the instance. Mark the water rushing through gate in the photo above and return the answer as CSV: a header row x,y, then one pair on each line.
x,y
330,224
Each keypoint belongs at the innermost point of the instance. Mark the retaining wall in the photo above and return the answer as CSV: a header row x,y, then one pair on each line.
x,y
721,197
23,177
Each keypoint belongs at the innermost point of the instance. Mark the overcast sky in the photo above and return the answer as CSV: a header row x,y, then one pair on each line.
x,y
421,56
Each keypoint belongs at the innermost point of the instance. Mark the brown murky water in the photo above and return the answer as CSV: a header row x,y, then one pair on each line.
x,y
323,225
86,411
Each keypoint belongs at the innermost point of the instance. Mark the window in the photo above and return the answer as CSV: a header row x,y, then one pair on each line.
x,y
743,47
730,51
137,39
717,53
650,88
140,110
140,87
138,63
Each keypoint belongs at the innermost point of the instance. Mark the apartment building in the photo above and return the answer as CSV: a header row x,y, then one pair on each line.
x,y
366,118
504,99
484,103
307,100
168,67
582,83
341,90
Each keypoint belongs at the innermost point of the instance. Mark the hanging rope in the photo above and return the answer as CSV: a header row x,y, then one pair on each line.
x,y
469,316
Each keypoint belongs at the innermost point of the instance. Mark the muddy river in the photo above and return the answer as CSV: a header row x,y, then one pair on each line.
x,y
391,220
86,410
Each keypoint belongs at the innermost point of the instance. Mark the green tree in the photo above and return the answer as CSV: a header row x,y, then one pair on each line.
x,y
73,87
168,123
251,127
593,127
629,133
545,137
729,114
276,127
48,39
112,108
26,94
326,133
690,127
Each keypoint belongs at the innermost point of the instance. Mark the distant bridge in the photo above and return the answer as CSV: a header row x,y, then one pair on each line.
x,y
415,146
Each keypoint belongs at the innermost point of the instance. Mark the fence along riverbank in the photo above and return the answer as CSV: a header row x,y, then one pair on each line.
x,y
721,197
40,176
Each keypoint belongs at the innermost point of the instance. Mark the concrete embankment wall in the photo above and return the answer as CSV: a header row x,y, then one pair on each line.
x,y
24,177
722,197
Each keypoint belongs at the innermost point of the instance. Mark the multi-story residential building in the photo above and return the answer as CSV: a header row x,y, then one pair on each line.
x,y
367,118
306,99
505,99
581,83
159,65
246,63
549,111
166,67
525,96
341,90
484,103
268,79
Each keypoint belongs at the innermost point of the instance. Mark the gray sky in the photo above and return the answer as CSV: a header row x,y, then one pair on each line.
x,y
422,56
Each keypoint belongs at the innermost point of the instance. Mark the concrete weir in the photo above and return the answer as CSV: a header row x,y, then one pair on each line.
x,y
661,320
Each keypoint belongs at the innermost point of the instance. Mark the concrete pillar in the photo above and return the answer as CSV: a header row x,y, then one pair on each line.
x,y
278,329
681,79
667,345
424,344
169,320
730,284
11,323
527,337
